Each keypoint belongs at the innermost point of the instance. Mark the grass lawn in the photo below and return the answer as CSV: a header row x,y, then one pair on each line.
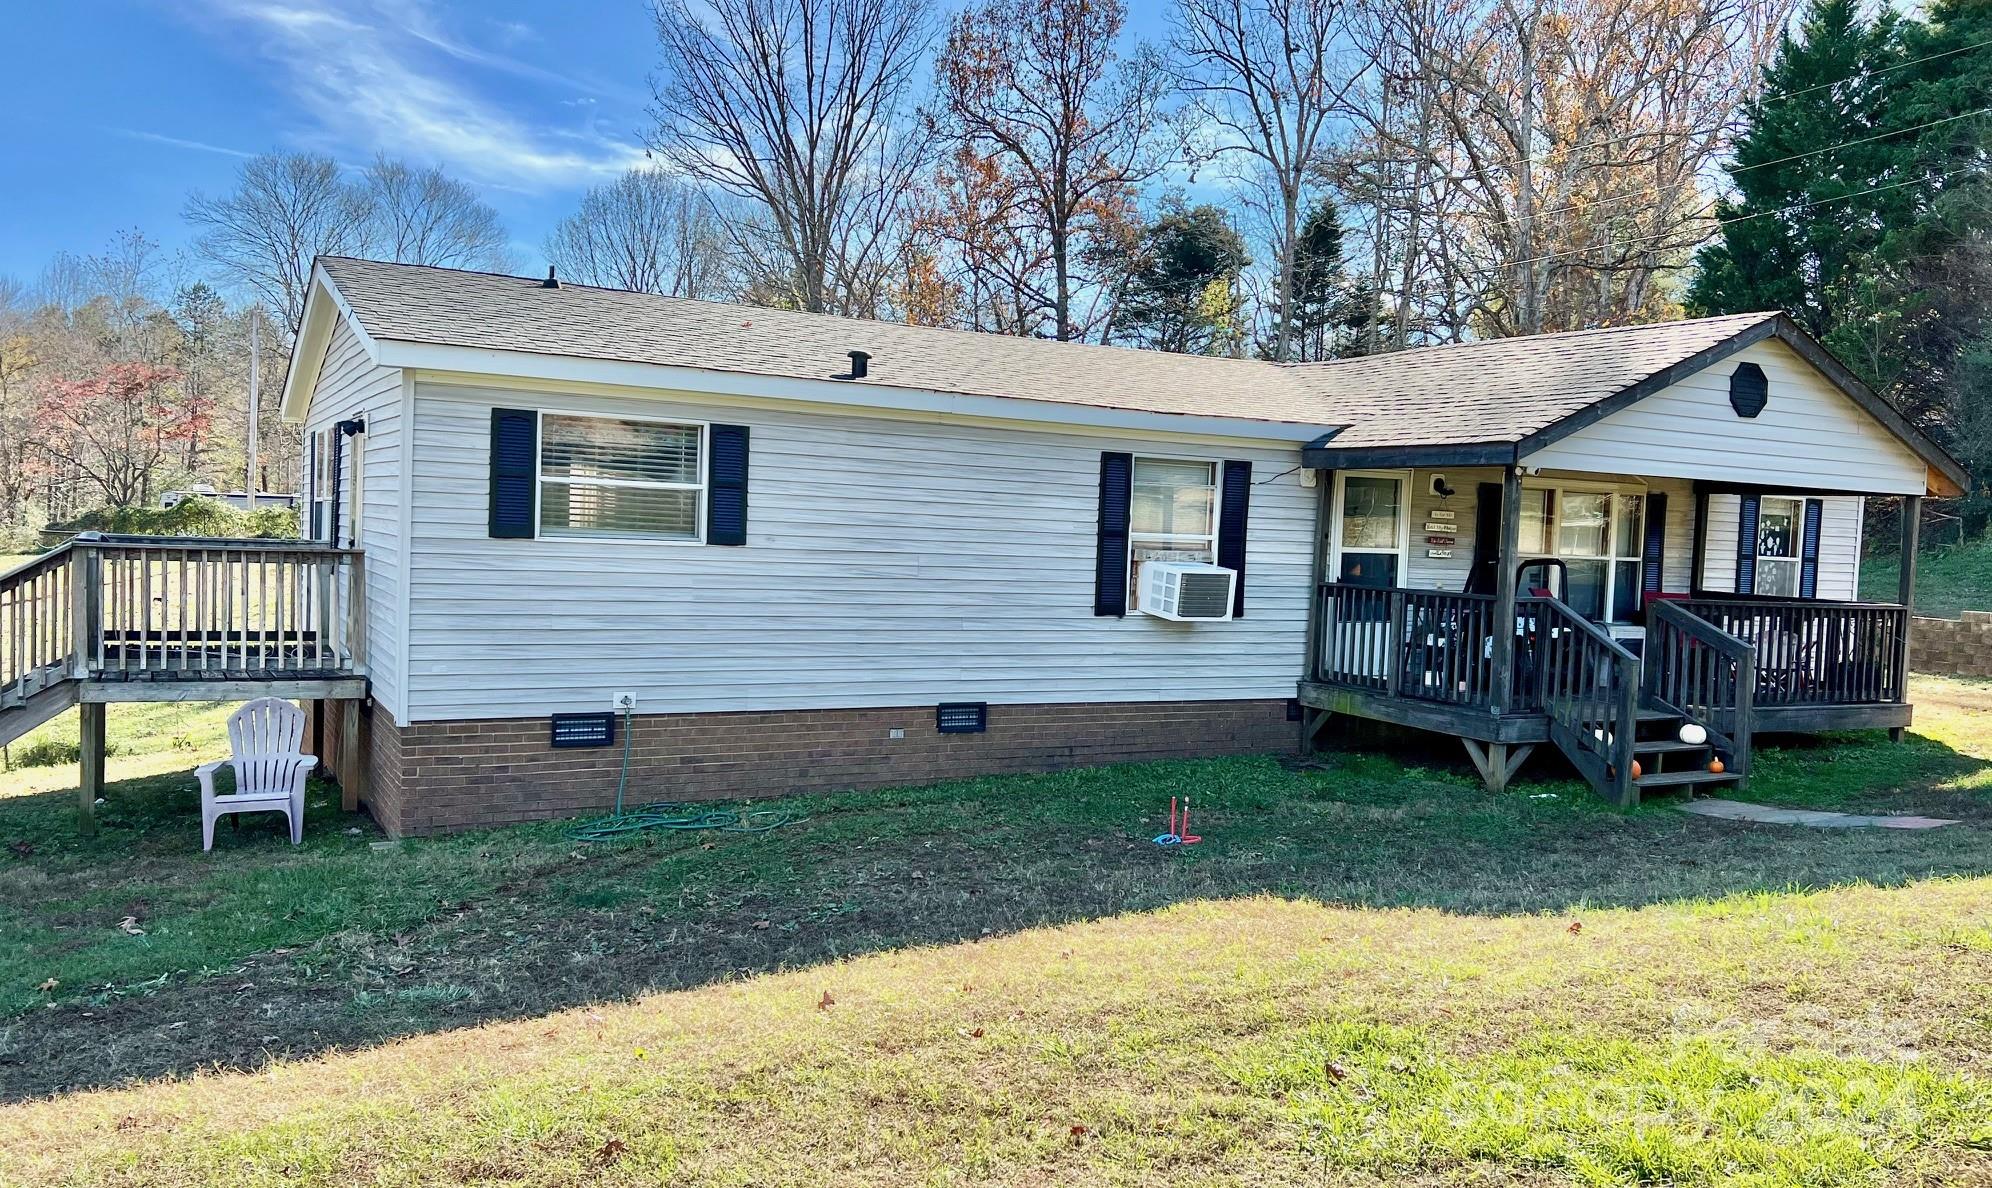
x,y
1371,971
1949,579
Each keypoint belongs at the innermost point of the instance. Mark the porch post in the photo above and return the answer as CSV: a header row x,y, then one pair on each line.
x,y
90,765
1912,531
1324,507
1504,588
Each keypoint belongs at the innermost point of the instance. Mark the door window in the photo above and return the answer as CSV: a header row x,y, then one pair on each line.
x,y
1370,530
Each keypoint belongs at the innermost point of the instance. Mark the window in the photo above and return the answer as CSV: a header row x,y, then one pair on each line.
x,y
1172,516
1370,529
1597,535
604,477
320,492
1778,529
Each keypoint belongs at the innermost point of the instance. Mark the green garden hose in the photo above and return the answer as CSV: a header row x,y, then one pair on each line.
x,y
665,814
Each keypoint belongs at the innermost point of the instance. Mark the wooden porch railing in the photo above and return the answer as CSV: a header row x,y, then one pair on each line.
x,y
1691,667
1429,645
121,608
1590,689
1817,653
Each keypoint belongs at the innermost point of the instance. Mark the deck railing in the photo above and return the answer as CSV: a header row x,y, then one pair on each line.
x,y
1590,689
1693,668
37,637
1817,653
124,608
1429,645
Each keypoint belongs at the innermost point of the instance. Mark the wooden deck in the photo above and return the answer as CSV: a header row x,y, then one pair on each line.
x,y
1738,667
106,619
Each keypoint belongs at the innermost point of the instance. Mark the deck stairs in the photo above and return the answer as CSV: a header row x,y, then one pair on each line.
x,y
27,703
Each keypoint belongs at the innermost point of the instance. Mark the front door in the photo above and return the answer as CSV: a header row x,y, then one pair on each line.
x,y
1372,528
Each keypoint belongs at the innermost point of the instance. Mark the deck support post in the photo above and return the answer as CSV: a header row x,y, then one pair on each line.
x,y
90,765
1496,762
352,765
1912,531
1503,676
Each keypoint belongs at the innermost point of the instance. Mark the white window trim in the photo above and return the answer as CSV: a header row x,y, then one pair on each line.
x,y
1797,558
703,486
1556,488
1403,549
1134,538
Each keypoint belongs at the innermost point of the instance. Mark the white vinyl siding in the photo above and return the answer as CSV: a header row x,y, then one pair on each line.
x,y
351,386
1809,434
1450,573
1839,545
889,562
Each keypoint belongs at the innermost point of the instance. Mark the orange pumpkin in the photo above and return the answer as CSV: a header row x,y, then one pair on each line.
x,y
1635,769
1715,767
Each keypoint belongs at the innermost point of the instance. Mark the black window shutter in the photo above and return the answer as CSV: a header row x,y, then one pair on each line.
x,y
726,498
1235,505
1746,544
1110,560
1485,574
1653,556
1808,549
514,468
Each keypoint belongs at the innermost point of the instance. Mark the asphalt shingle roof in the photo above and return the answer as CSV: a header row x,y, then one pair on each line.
x,y
1495,391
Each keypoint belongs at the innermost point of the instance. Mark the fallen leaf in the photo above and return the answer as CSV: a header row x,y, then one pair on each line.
x,y
48,985
129,926
22,848
826,1002
1576,926
763,925
610,1151
1335,1071
1078,1129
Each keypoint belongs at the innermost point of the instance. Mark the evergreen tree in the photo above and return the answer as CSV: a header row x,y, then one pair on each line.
x,y
1803,229
1318,284
1182,295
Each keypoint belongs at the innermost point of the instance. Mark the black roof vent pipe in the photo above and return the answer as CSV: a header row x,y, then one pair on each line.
x,y
860,364
551,281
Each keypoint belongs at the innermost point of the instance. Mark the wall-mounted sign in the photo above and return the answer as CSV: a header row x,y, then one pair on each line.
x,y
1442,514
1438,552
1442,527
1441,540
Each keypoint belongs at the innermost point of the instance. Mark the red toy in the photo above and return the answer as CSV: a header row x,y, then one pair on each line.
x,y
1179,831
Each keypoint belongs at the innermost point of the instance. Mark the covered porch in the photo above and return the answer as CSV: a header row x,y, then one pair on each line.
x,y
1602,613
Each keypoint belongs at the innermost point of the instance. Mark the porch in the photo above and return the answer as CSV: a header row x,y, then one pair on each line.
x,y
1513,665
104,619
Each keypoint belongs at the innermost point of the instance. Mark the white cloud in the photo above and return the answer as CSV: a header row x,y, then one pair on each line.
x,y
201,146
380,78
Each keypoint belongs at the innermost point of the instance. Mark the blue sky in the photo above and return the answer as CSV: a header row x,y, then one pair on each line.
x,y
116,109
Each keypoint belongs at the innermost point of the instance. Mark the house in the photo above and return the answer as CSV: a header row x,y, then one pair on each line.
x,y
800,552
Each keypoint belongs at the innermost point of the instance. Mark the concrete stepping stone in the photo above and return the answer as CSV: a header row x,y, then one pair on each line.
x,y
1766,814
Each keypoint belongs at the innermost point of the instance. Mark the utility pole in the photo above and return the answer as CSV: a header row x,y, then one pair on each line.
x,y
255,384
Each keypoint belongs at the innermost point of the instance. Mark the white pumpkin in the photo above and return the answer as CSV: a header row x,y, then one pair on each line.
x,y
1693,734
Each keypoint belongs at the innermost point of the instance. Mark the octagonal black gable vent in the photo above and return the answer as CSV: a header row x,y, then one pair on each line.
x,y
1749,390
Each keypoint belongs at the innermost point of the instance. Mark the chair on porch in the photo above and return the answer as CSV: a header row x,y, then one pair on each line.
x,y
263,737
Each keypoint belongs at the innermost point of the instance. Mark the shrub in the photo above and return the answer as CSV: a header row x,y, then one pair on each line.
x,y
194,516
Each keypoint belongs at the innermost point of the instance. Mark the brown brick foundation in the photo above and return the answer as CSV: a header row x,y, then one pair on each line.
x,y
434,777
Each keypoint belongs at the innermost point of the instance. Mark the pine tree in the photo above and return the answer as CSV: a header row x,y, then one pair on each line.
x,y
1318,284
1799,230
1182,296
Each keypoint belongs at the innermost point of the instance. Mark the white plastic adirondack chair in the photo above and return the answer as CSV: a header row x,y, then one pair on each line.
x,y
269,771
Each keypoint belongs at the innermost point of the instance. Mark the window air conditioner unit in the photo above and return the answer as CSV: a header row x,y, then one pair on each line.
x,y
1187,592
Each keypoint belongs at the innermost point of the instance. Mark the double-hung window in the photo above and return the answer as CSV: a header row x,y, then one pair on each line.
x,y
606,476
1778,529
1172,516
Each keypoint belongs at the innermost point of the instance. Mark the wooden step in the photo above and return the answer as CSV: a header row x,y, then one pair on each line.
x,y
1664,746
1674,779
1656,715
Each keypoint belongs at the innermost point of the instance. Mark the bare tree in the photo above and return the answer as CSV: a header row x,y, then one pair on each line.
x,y
1055,131
1269,78
286,210
647,232
795,106
425,216
1548,153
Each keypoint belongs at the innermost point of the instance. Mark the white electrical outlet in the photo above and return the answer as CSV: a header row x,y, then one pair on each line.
x,y
624,701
